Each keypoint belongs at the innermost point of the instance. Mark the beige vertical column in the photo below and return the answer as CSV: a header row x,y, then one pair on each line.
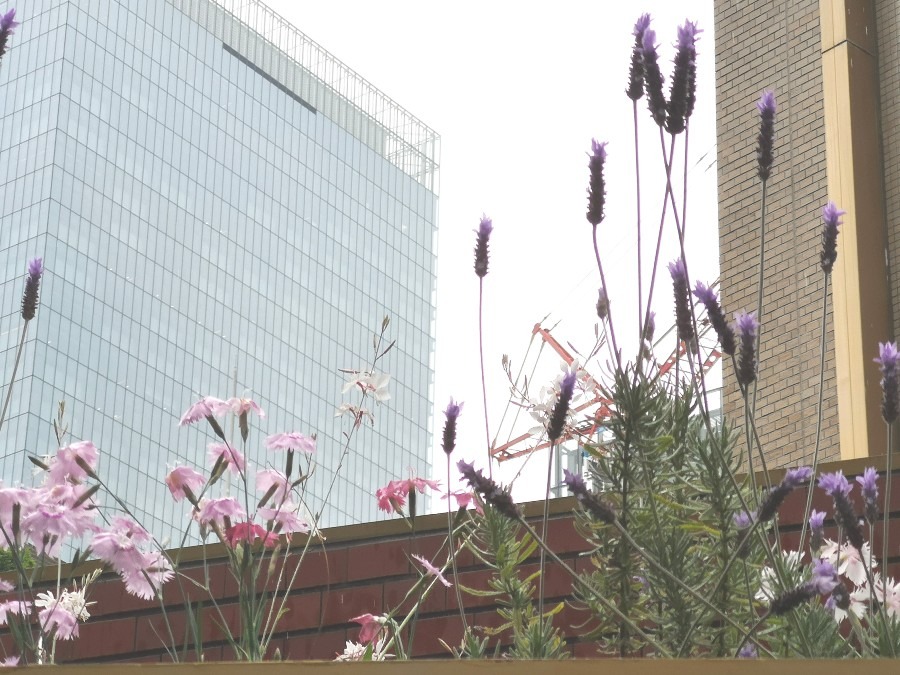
x,y
855,184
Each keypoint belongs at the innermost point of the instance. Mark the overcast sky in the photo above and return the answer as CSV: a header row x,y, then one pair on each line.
x,y
516,92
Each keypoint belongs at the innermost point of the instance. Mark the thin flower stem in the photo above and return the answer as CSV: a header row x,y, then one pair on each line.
x,y
640,276
815,463
609,316
886,512
12,378
594,592
759,293
544,520
452,553
487,432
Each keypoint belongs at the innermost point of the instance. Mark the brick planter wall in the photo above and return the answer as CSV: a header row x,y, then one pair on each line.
x,y
364,568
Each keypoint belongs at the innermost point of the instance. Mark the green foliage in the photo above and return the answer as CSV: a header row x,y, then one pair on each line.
x,y
8,563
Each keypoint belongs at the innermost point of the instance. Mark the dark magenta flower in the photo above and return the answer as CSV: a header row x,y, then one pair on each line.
x,y
7,24
557,422
746,325
682,301
887,359
716,316
490,492
452,413
683,88
483,235
776,496
653,79
838,488
32,288
596,184
831,219
869,484
765,142
597,507
636,71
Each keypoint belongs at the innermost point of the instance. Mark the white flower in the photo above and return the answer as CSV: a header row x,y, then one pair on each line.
x,y
768,578
859,602
355,651
374,384
850,564
71,601
888,593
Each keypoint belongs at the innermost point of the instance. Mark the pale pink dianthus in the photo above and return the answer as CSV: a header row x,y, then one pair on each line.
x,y
208,406
293,440
70,461
217,510
183,478
232,457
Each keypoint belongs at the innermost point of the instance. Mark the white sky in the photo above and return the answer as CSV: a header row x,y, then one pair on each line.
x,y
516,92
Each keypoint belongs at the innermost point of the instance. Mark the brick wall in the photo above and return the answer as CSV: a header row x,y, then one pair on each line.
x,y
364,568
775,44
887,15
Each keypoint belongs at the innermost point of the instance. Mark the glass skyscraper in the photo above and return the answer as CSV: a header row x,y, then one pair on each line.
x,y
223,208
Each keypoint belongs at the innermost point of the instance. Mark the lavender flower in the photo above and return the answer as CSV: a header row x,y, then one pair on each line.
x,y
599,508
817,530
603,305
32,287
887,359
636,71
561,409
653,79
492,493
596,185
485,227
683,88
682,301
838,488
716,316
824,580
766,140
743,521
869,484
7,24
452,413
831,219
746,325
650,327
748,651
776,496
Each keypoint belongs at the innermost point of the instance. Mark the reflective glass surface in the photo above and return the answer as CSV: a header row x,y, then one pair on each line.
x,y
204,232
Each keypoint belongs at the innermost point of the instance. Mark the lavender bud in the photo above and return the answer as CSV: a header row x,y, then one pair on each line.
x,y
716,317
838,488
490,492
869,484
743,521
596,506
602,305
32,288
7,24
748,651
558,417
682,301
824,581
682,89
765,153
776,496
888,357
650,327
653,79
636,71
817,531
452,413
746,325
831,219
596,185
485,227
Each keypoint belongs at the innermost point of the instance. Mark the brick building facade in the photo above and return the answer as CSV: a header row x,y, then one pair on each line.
x,y
835,68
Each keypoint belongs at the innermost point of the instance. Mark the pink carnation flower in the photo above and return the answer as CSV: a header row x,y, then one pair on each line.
x,y
242,406
208,406
285,519
269,479
146,579
119,545
217,510
371,627
464,498
59,619
249,532
66,463
292,441
392,496
431,570
53,515
22,608
182,479
233,458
